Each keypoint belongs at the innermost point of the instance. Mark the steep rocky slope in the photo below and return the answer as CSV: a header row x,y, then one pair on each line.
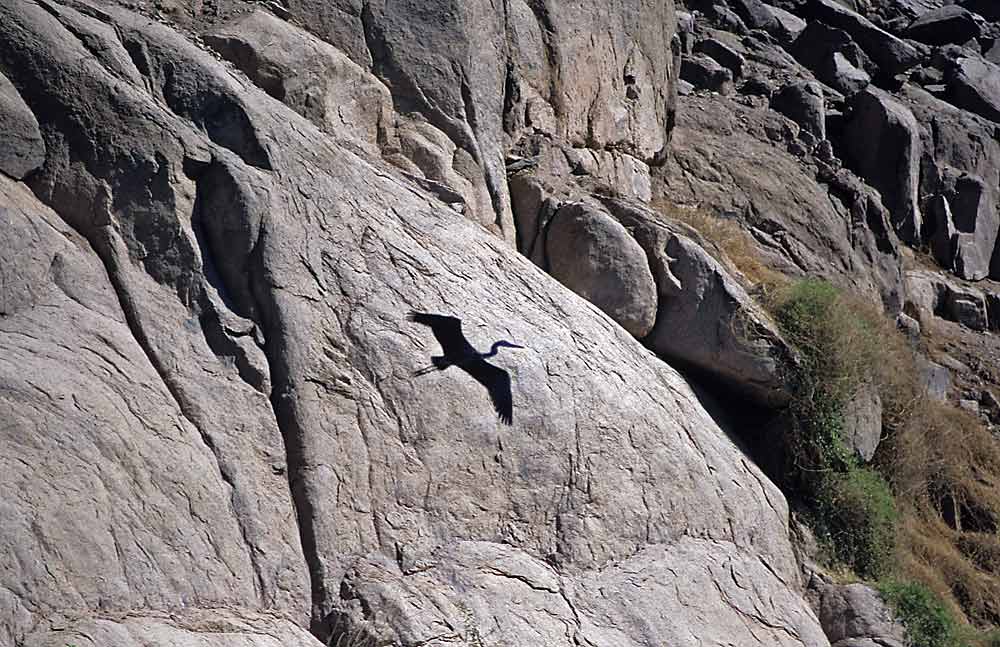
x,y
216,216
212,433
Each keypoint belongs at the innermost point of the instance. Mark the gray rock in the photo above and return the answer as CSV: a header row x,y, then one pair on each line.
x,y
975,227
22,149
949,24
845,77
936,379
593,255
725,18
968,309
961,166
723,160
723,54
791,24
993,310
892,55
931,295
756,15
984,8
943,237
705,73
234,282
863,422
972,406
854,613
833,57
685,30
909,327
313,78
803,103
974,85
882,144
194,628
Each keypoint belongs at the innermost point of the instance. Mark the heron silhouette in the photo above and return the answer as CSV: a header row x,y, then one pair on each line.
x,y
459,352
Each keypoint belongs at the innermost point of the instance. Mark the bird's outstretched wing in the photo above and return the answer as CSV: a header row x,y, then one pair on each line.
x,y
447,330
497,382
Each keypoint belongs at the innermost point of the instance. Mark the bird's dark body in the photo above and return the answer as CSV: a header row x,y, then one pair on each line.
x,y
459,352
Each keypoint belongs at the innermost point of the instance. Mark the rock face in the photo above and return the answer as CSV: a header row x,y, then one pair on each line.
x,y
960,183
22,149
882,142
213,435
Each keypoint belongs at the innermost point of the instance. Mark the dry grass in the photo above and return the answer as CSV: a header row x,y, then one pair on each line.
x,y
936,457
727,241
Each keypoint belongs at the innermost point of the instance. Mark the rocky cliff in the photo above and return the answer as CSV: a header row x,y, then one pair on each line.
x,y
217,215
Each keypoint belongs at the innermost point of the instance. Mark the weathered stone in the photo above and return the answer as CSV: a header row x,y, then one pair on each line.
x,y
943,238
723,54
935,378
723,160
975,227
313,78
993,310
949,24
833,57
974,84
968,309
803,103
882,144
846,77
191,628
892,55
706,321
21,148
863,422
705,73
756,15
856,612
791,24
931,295
961,165
727,19
908,326
985,8
593,255
622,174
217,213
685,31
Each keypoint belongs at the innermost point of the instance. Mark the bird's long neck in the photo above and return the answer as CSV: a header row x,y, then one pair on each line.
x,y
493,350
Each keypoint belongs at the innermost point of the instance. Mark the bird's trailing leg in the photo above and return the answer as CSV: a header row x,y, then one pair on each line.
x,y
439,363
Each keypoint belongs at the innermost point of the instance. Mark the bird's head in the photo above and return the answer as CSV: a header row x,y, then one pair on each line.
x,y
503,343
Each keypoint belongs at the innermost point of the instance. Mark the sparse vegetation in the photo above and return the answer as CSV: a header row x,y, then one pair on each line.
x,y
727,241
928,622
925,515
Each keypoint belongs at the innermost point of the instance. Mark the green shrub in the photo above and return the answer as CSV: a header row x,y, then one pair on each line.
x,y
837,349
856,516
928,622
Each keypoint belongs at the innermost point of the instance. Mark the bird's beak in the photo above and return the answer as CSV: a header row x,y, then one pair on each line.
x,y
516,346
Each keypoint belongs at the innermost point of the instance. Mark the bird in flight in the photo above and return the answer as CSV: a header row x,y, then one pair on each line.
x,y
459,352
